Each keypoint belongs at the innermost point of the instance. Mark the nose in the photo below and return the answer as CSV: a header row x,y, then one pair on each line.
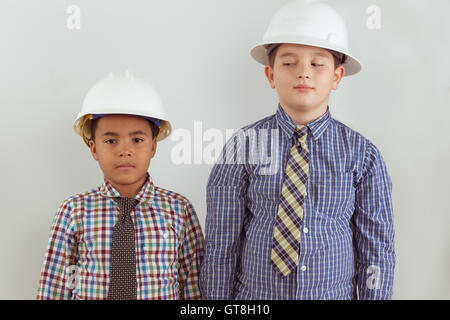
x,y
303,71
125,150
125,154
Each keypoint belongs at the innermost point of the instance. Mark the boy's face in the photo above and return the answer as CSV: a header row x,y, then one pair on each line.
x,y
123,147
304,77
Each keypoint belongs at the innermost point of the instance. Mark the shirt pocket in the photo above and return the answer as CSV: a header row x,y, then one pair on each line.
x,y
332,193
160,243
263,193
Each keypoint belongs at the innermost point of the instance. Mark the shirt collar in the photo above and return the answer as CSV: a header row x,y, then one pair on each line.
x,y
316,127
144,195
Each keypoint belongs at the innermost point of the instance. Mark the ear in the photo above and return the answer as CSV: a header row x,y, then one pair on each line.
x,y
339,73
268,70
93,149
154,145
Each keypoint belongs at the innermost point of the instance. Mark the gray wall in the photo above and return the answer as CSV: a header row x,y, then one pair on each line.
x,y
196,54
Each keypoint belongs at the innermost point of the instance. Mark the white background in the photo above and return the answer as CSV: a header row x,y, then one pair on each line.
x,y
196,54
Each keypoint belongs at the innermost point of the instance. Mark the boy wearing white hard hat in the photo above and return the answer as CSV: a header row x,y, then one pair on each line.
x,y
127,239
321,225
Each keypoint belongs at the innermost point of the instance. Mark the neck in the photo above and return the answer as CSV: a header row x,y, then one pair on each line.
x,y
129,190
303,117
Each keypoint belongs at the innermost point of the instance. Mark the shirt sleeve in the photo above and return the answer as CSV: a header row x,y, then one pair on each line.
x,y
58,271
226,204
374,229
190,255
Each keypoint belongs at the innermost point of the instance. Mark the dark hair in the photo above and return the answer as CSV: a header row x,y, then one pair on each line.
x,y
272,56
337,61
154,128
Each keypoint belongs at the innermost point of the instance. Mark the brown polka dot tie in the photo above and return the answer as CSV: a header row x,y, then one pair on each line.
x,y
122,276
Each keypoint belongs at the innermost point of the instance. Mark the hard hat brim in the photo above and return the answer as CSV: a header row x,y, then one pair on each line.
x,y
259,53
79,127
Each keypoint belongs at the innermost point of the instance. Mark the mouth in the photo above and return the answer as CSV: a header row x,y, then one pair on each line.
x,y
303,88
125,166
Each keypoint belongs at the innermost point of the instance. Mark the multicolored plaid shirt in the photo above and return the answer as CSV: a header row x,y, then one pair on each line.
x,y
169,246
347,232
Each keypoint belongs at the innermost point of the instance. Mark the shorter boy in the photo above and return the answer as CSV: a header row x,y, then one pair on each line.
x,y
127,239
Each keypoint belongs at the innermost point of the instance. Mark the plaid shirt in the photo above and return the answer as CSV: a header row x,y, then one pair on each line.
x,y
347,235
169,246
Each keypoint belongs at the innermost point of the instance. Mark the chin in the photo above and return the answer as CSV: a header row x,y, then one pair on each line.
x,y
302,106
125,178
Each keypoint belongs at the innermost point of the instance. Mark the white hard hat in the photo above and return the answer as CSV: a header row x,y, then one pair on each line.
x,y
121,95
308,22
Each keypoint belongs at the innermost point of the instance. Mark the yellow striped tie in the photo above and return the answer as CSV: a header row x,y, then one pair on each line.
x,y
286,236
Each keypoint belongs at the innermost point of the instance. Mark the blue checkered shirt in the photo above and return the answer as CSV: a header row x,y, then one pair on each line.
x,y
347,233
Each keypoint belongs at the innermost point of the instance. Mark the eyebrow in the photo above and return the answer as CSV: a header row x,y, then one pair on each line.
x,y
287,54
322,54
114,134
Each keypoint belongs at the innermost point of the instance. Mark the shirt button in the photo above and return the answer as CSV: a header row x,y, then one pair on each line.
x,y
305,230
165,235
303,268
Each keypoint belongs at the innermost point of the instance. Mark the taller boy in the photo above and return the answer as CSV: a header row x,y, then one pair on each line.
x,y
321,226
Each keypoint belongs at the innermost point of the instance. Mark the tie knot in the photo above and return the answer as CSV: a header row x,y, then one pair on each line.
x,y
126,205
301,132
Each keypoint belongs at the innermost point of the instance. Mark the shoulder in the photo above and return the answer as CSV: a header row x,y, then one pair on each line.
x,y
70,209
264,123
348,132
76,201
176,201
85,196
362,148
355,139
253,130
